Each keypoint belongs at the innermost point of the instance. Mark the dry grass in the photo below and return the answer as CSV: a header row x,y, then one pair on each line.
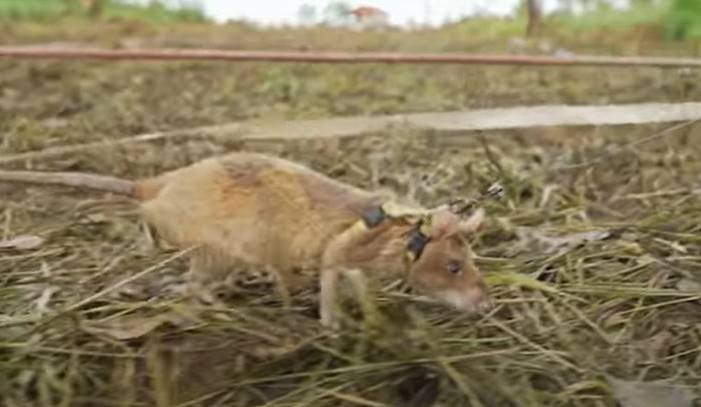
x,y
95,314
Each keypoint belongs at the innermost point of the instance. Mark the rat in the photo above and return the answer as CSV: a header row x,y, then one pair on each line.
x,y
267,211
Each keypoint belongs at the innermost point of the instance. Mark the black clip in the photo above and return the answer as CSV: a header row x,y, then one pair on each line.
x,y
417,243
374,216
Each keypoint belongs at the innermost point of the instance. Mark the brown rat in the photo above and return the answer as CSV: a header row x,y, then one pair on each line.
x,y
266,211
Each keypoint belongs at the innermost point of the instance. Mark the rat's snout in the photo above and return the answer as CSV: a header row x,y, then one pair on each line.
x,y
482,301
473,299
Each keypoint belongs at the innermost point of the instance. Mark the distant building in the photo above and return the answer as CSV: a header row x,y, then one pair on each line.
x,y
368,16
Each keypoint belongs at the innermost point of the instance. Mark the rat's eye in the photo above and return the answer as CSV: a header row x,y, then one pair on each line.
x,y
454,267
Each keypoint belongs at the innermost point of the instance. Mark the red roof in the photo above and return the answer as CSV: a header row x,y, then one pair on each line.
x,y
367,11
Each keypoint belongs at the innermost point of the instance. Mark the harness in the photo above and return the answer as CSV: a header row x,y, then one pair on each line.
x,y
418,237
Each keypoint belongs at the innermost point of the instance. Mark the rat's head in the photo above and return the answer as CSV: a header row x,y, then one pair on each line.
x,y
442,265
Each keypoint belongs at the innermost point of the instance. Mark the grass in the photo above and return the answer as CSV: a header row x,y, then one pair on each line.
x,y
606,306
96,316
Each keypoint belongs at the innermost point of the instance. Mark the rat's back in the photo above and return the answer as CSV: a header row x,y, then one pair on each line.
x,y
251,205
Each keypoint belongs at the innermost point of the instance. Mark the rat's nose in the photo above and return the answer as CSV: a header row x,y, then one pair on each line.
x,y
473,300
481,300
486,304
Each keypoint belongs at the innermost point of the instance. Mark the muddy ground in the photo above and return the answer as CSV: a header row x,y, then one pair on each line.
x,y
593,256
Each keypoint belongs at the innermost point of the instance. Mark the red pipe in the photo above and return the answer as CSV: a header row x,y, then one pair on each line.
x,y
339,57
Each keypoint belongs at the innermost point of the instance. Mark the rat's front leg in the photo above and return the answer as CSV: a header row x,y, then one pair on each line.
x,y
328,305
333,262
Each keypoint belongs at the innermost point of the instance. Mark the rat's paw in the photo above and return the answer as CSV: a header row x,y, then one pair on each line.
x,y
330,322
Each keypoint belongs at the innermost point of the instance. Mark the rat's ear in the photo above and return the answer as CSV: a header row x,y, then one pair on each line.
x,y
473,224
442,223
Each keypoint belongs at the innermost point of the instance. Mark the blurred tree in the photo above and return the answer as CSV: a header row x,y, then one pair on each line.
x,y
684,19
533,9
95,7
337,12
306,14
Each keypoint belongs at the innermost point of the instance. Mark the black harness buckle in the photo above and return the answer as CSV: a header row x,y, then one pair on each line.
x,y
417,242
374,216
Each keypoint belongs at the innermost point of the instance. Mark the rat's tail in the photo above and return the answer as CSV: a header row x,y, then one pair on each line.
x,y
74,179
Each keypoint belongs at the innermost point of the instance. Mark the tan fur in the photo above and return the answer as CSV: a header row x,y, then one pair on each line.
x,y
265,211
253,207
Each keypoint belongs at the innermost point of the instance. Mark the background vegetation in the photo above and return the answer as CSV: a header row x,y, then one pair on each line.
x,y
157,11
666,19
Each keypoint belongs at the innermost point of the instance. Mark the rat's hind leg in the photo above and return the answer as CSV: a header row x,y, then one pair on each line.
x,y
208,269
154,242
286,283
